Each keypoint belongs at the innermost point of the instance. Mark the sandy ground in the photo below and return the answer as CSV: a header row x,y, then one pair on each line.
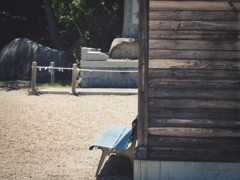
x,y
48,136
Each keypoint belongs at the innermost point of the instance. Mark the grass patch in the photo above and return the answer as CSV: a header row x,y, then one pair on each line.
x,y
58,84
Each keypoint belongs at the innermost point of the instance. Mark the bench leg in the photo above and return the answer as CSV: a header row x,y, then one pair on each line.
x,y
130,153
105,152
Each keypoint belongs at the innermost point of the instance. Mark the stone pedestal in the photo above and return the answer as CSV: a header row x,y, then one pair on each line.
x,y
127,46
110,78
124,48
131,19
92,54
107,73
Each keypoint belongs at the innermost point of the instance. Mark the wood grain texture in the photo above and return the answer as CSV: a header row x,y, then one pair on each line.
x,y
143,74
194,73
194,93
193,103
194,80
195,84
194,5
194,45
227,74
194,142
195,25
194,35
194,113
195,15
194,54
192,132
197,154
194,123
193,64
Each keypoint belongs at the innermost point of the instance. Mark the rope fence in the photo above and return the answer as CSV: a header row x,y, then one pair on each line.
x,y
74,69
91,70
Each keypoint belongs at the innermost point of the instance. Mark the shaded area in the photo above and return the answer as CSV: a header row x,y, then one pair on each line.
x,y
13,85
23,19
116,167
16,59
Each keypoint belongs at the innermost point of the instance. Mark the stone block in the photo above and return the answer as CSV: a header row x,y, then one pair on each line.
x,y
92,54
131,19
124,48
109,83
109,75
17,56
110,64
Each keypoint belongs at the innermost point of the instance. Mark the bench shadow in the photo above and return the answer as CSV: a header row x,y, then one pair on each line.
x,y
116,167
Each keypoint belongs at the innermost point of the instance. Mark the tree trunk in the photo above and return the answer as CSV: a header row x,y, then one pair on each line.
x,y
76,24
81,34
56,38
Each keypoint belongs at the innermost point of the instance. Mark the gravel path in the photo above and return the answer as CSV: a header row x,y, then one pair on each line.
x,y
48,136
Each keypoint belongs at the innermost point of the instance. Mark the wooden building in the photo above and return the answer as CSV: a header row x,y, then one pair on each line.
x,y
189,88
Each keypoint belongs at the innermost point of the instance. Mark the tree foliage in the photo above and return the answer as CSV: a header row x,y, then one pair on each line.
x,y
100,20
23,19
53,26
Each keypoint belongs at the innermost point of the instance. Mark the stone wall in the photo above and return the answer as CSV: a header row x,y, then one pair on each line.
x,y
108,75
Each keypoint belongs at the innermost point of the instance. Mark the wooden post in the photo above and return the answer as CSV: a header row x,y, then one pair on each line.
x,y
52,73
74,76
142,130
33,79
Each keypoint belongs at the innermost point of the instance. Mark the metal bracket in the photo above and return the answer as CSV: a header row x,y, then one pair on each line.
x,y
141,152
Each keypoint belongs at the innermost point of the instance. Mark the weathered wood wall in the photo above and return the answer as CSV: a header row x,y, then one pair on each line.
x,y
194,80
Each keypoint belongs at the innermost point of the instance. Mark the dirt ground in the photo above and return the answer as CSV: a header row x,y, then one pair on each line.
x,y
48,136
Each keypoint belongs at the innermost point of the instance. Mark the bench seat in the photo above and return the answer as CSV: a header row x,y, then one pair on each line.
x,y
116,139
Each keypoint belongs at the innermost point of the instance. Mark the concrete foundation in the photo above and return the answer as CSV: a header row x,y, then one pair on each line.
x,y
107,74
168,170
90,54
114,79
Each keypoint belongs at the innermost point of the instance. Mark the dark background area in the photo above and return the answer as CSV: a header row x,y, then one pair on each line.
x,y
101,21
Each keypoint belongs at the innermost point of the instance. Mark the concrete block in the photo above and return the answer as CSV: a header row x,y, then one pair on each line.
x,y
110,75
110,64
96,56
109,83
92,54
92,59
170,170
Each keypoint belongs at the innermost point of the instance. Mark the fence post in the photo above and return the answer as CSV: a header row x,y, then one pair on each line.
x,y
52,73
74,76
33,79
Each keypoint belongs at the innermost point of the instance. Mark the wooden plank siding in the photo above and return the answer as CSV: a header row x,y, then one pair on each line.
x,y
194,80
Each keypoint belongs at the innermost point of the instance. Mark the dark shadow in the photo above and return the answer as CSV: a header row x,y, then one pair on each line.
x,y
14,85
116,167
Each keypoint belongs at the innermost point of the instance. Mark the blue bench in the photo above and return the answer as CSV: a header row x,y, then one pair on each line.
x,y
117,139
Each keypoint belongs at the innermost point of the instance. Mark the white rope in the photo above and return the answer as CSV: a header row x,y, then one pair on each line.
x,y
100,70
90,70
50,67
